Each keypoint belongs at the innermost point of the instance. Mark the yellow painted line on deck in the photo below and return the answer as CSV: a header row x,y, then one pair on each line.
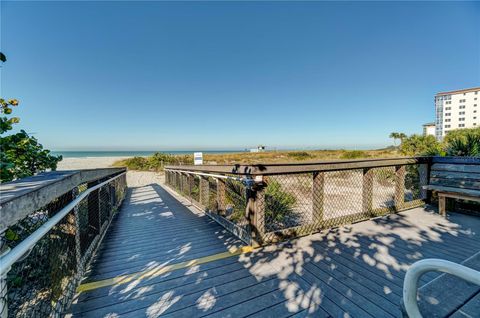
x,y
162,270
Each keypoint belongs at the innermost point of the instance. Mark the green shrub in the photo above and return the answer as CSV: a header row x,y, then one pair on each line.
x,y
278,203
463,142
417,145
156,162
299,155
354,154
21,155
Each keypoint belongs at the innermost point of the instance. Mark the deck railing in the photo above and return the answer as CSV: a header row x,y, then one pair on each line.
x,y
50,226
268,203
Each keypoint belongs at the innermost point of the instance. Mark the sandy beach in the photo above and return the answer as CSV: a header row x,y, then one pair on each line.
x,y
134,178
87,162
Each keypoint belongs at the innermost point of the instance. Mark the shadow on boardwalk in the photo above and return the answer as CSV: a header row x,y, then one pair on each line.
x,y
355,270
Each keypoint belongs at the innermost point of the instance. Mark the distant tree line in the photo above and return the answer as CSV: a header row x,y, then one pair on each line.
x,y
459,142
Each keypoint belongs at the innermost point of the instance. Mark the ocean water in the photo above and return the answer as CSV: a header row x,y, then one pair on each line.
x,y
85,154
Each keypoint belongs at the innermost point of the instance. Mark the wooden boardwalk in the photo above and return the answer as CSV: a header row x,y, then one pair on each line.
x,y
162,258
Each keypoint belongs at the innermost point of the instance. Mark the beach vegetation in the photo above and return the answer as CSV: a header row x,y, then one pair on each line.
x,y
279,203
21,155
354,154
159,160
463,142
397,135
299,155
418,145
155,162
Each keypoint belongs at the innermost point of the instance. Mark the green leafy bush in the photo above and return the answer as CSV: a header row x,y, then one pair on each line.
x,y
463,142
278,203
417,145
156,162
21,155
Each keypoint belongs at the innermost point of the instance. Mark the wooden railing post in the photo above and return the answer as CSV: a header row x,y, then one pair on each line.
x,y
367,191
93,204
256,213
399,187
221,188
423,180
318,198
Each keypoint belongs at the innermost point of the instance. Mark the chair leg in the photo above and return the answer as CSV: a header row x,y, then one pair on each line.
x,y
442,205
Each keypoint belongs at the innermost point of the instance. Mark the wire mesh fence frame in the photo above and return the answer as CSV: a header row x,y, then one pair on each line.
x,y
293,204
42,282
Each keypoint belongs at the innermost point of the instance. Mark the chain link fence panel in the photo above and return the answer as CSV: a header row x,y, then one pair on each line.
x,y
43,282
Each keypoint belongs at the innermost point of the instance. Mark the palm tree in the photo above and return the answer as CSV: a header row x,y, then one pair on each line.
x,y
395,136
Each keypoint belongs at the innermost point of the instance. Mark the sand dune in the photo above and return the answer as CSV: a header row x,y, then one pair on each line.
x,y
87,163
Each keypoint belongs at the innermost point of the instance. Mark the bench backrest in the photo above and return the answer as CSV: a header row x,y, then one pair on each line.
x,y
457,175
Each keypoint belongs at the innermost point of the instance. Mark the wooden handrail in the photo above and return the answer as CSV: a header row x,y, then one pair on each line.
x,y
289,168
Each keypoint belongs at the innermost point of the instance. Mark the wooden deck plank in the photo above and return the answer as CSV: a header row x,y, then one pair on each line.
x,y
470,310
185,295
189,283
376,302
177,278
216,299
352,271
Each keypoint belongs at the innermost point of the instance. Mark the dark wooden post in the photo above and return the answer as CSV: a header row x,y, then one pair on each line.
x,y
367,191
93,200
423,179
78,242
318,198
399,187
221,188
256,213
442,205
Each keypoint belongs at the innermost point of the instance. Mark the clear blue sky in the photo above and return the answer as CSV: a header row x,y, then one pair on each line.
x,y
210,75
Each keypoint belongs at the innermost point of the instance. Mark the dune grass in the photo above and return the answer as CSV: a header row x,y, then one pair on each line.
x,y
159,160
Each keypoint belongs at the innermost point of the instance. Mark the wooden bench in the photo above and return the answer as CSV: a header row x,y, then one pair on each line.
x,y
458,180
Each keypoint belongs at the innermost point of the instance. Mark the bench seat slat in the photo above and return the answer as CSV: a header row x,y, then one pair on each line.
x,y
456,168
465,192
463,184
455,175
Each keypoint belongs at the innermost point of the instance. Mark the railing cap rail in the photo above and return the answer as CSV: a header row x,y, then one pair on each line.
x,y
21,197
285,168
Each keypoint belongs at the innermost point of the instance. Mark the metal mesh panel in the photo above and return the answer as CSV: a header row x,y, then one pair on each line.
x,y
288,201
415,177
383,189
196,189
42,283
343,197
294,204
235,203
212,195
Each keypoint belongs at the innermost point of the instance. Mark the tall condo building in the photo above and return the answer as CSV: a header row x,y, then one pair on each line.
x,y
456,110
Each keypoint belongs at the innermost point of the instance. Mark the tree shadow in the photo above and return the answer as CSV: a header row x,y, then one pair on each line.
x,y
354,270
